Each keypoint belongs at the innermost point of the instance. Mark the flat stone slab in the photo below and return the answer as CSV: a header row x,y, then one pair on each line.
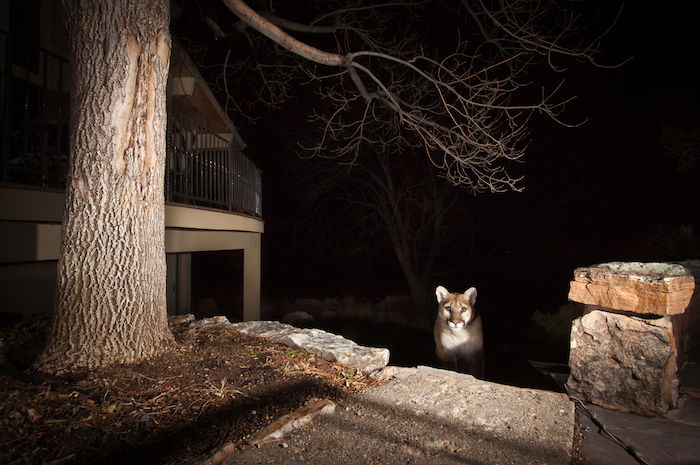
x,y
326,345
658,441
429,416
644,288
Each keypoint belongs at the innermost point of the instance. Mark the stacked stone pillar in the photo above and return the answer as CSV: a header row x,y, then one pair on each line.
x,y
627,347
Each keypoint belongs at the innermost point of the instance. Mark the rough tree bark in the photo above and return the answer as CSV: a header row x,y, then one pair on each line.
x,y
110,302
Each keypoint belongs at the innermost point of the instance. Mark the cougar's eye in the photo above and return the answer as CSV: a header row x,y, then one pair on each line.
x,y
464,309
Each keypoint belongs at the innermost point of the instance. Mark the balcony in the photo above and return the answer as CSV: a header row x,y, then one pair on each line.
x,y
203,169
206,170
213,193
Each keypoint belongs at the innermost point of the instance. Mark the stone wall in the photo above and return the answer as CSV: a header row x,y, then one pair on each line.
x,y
328,346
635,333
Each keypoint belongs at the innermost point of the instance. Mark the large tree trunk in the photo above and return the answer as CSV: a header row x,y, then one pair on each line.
x,y
110,302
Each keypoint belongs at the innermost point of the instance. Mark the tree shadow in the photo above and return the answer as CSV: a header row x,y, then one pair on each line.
x,y
214,427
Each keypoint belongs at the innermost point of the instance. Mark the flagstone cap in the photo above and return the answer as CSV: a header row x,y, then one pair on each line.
x,y
643,288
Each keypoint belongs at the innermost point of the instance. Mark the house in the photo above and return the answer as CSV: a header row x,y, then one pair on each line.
x,y
213,192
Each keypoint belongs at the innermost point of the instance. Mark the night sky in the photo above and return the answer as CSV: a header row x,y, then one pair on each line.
x,y
600,192
626,196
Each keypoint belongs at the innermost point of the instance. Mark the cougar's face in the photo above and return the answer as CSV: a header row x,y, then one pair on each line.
x,y
457,312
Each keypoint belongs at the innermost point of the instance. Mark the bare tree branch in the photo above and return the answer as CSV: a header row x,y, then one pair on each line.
x,y
465,106
271,31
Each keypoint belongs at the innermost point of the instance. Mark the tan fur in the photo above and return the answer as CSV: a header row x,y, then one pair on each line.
x,y
458,333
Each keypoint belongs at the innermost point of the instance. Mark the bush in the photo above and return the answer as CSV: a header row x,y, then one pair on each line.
x,y
311,306
557,326
395,308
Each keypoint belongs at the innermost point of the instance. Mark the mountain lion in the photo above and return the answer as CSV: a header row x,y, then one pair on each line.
x,y
458,336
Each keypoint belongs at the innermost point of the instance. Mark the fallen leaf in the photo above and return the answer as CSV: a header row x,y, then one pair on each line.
x,y
34,417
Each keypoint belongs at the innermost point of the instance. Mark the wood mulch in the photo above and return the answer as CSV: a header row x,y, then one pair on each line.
x,y
216,386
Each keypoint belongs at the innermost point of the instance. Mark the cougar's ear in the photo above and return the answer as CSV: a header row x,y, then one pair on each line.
x,y
470,294
441,293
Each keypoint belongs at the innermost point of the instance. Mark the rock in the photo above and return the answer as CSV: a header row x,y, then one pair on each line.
x,y
267,329
686,326
623,363
182,319
384,374
328,346
298,318
476,421
336,348
219,320
432,417
644,288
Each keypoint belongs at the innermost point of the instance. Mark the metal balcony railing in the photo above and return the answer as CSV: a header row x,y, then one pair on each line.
x,y
33,115
205,169
202,169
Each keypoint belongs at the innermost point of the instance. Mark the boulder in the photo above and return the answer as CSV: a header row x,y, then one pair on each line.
x,y
686,326
298,318
181,319
217,321
267,329
643,288
624,363
336,348
326,345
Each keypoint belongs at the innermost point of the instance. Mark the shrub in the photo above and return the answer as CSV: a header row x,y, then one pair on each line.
x,y
557,326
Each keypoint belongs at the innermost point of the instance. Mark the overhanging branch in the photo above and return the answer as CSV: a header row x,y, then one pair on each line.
x,y
399,90
265,27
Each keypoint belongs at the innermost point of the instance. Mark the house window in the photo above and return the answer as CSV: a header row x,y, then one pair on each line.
x,y
33,103
25,18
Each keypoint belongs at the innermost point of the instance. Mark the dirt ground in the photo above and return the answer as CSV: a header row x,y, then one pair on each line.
x,y
217,385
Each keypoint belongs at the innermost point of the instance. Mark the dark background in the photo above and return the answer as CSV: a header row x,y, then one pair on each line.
x,y
603,191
